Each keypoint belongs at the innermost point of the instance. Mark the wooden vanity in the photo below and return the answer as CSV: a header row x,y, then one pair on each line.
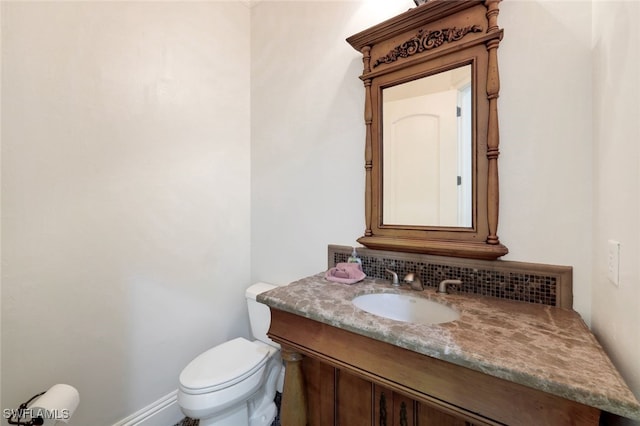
x,y
502,362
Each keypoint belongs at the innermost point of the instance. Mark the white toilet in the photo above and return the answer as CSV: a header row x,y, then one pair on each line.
x,y
234,383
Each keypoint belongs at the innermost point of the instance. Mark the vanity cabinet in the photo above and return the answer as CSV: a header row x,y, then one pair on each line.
x,y
339,397
338,377
336,397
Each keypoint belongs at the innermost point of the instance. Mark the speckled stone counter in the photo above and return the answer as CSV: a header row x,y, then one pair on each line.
x,y
544,347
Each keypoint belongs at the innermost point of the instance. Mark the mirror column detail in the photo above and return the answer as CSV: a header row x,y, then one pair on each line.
x,y
493,136
368,116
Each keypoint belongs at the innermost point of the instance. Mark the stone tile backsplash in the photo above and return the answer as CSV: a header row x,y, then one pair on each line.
x,y
524,282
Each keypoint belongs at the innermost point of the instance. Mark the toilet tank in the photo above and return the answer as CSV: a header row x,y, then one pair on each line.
x,y
259,313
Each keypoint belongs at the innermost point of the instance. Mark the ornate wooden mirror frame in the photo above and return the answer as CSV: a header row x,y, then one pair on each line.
x,y
437,36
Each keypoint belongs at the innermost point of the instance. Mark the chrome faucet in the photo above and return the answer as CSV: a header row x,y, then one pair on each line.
x,y
442,288
395,281
414,281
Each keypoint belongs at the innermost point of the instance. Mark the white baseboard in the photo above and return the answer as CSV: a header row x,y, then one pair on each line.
x,y
163,412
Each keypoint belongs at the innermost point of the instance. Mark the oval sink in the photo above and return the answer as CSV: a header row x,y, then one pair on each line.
x,y
402,307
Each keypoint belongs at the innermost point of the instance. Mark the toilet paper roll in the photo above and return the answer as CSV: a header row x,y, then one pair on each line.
x,y
56,405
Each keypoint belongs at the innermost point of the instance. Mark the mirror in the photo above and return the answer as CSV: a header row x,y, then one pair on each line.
x,y
431,149
426,153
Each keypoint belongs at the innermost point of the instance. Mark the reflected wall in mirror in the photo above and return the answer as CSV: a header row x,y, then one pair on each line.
x,y
431,117
426,154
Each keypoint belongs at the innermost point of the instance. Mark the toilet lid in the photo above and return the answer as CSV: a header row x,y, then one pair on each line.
x,y
223,366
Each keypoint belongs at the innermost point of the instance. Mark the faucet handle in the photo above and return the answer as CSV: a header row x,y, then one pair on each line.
x,y
412,279
395,281
442,287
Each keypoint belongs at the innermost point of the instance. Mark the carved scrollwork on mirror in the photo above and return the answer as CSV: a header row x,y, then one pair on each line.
x,y
432,141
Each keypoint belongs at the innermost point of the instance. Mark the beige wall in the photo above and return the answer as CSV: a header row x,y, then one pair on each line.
x,y
307,131
545,131
1,261
616,130
125,197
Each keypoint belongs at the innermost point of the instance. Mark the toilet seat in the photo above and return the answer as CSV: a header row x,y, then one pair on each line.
x,y
223,366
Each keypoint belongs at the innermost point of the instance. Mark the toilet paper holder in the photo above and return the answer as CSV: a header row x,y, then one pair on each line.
x,y
46,408
22,411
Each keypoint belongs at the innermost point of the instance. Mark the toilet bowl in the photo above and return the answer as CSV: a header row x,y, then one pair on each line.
x,y
235,383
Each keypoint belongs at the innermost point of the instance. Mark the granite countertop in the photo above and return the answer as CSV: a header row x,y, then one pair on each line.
x,y
544,347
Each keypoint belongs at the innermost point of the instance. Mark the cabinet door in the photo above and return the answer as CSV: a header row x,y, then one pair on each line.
x,y
337,397
392,409
429,416
320,387
353,400
403,411
383,406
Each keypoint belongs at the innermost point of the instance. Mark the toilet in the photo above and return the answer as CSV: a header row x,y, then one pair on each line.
x,y
235,383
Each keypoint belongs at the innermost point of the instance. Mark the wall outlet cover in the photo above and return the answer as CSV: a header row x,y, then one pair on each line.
x,y
613,262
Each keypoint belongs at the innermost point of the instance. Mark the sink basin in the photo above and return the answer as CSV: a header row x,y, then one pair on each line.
x,y
402,307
